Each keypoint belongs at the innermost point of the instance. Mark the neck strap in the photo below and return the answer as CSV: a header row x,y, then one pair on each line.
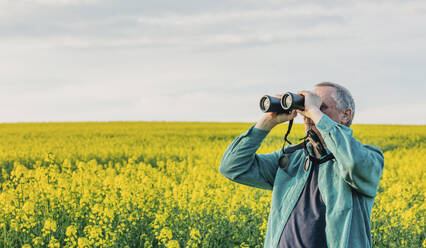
x,y
290,124
314,159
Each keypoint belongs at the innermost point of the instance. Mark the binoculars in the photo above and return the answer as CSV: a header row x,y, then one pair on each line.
x,y
288,102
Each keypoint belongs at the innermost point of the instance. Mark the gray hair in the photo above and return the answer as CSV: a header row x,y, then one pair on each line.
x,y
343,98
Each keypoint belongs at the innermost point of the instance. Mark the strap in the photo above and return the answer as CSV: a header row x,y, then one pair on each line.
x,y
328,157
290,124
316,161
290,149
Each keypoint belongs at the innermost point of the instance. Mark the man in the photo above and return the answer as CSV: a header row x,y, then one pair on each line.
x,y
319,200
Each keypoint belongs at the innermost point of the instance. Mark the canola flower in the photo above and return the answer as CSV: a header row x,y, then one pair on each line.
x,y
156,184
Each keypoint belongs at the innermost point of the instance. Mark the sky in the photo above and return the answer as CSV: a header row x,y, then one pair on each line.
x,y
199,60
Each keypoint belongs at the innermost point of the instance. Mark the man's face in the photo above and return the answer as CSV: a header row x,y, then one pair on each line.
x,y
328,107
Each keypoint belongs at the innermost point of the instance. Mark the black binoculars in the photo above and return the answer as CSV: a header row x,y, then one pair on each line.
x,y
288,102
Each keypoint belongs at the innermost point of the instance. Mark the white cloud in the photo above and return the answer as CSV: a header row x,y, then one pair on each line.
x,y
93,55
269,23
311,13
60,2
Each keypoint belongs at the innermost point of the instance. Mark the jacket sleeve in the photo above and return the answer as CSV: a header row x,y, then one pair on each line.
x,y
361,166
241,164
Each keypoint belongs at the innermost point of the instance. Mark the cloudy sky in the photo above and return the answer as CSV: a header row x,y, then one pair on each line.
x,y
199,60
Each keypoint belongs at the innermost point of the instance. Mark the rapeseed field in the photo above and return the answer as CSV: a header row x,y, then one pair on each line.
x,y
156,184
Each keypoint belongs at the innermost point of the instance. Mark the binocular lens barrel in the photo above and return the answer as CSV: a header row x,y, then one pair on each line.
x,y
271,104
285,104
291,101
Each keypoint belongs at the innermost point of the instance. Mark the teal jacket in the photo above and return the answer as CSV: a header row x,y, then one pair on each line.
x,y
348,184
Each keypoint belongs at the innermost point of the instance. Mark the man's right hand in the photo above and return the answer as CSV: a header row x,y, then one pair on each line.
x,y
271,119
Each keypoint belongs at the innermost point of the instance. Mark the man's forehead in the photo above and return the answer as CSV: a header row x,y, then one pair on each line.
x,y
325,92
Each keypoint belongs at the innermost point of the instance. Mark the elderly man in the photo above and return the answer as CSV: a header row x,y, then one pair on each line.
x,y
321,199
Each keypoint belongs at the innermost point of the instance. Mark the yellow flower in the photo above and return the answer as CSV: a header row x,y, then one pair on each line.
x,y
173,244
195,234
49,226
71,231
53,243
165,235
83,242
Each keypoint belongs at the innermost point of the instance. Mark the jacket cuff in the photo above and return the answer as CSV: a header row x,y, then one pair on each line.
x,y
325,124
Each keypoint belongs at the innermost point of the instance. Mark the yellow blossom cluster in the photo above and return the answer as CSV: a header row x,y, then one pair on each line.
x,y
156,184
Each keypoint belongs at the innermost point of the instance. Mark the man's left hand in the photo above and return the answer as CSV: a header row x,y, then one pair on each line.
x,y
312,106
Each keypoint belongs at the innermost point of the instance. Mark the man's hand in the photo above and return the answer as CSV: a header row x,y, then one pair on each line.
x,y
312,106
271,119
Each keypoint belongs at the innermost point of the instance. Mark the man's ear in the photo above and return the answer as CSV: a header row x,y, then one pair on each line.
x,y
347,116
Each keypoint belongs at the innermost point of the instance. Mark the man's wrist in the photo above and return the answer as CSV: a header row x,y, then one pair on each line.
x,y
265,124
315,115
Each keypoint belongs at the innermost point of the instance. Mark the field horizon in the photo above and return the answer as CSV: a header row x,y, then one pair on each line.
x,y
213,122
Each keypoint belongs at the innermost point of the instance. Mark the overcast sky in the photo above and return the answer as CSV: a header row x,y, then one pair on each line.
x,y
199,60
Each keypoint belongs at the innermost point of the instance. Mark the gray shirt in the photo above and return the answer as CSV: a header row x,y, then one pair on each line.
x,y
306,224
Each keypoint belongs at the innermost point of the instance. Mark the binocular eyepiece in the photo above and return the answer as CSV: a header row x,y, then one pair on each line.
x,y
288,102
